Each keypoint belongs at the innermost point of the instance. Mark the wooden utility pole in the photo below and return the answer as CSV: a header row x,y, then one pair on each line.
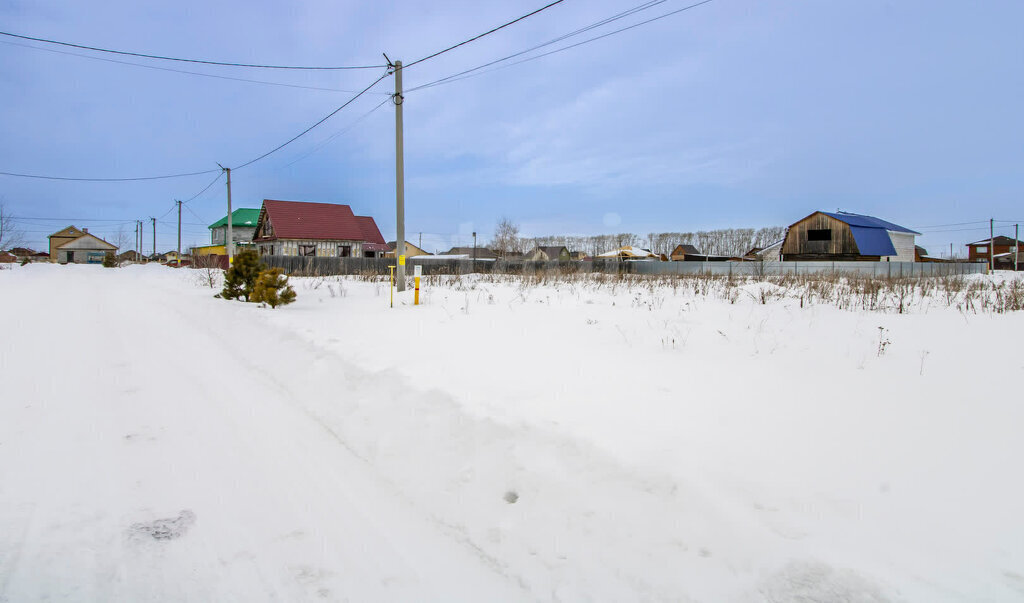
x,y
399,179
154,236
179,233
1016,245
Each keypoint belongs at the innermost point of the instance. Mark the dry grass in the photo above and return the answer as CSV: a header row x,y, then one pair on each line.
x,y
846,292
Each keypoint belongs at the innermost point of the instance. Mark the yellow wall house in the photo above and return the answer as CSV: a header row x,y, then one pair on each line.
x,y
210,250
75,246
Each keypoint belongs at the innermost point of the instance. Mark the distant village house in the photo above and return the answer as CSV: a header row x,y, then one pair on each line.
x,y
548,254
411,250
74,246
1001,247
480,253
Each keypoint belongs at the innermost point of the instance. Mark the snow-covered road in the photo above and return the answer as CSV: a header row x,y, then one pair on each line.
x,y
122,408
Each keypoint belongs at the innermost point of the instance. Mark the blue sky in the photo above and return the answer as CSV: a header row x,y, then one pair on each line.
x,y
737,113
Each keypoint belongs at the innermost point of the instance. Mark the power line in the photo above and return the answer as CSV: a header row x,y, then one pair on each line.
x,y
173,207
953,224
194,214
201,61
307,130
136,179
486,33
198,73
584,29
985,228
469,73
77,219
336,134
193,197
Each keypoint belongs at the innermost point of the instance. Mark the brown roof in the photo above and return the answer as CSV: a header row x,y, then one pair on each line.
x,y
481,252
690,249
371,234
553,251
319,221
998,240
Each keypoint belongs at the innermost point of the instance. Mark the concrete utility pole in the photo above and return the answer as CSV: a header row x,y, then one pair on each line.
x,y
230,243
399,179
154,236
474,251
142,228
136,240
179,233
991,244
1016,246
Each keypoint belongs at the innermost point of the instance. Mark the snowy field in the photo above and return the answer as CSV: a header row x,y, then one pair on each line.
x,y
558,441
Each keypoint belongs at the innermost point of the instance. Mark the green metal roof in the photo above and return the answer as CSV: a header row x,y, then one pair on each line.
x,y
239,217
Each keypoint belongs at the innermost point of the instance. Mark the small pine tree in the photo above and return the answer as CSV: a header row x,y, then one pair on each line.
x,y
109,261
241,276
272,288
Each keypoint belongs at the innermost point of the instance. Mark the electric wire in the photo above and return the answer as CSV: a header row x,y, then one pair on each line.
x,y
193,213
475,71
200,61
247,163
307,130
76,219
158,68
173,207
952,224
486,33
584,29
470,73
134,179
206,188
336,134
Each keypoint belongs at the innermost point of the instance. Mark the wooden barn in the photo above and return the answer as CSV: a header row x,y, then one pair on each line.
x,y
843,236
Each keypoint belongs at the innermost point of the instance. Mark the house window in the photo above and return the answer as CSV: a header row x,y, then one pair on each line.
x,y
981,249
369,254
307,250
345,251
819,234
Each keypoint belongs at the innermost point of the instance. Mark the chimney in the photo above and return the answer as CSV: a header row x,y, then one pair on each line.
x,y
85,230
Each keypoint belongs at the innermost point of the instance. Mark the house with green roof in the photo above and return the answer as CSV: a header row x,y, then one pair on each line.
x,y
243,226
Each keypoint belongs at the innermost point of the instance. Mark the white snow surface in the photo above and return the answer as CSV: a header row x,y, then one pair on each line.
x,y
499,443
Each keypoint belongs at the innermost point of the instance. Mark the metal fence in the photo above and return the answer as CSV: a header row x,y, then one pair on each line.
x,y
321,266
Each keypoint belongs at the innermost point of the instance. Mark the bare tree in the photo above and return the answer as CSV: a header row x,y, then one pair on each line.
x,y
10,234
121,239
727,241
506,238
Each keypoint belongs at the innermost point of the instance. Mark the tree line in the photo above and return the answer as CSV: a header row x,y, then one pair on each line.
x,y
723,241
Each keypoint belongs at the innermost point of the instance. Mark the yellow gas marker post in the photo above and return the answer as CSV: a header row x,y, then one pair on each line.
x,y
418,272
391,282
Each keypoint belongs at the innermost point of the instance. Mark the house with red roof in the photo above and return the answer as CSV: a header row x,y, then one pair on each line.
x,y
299,228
